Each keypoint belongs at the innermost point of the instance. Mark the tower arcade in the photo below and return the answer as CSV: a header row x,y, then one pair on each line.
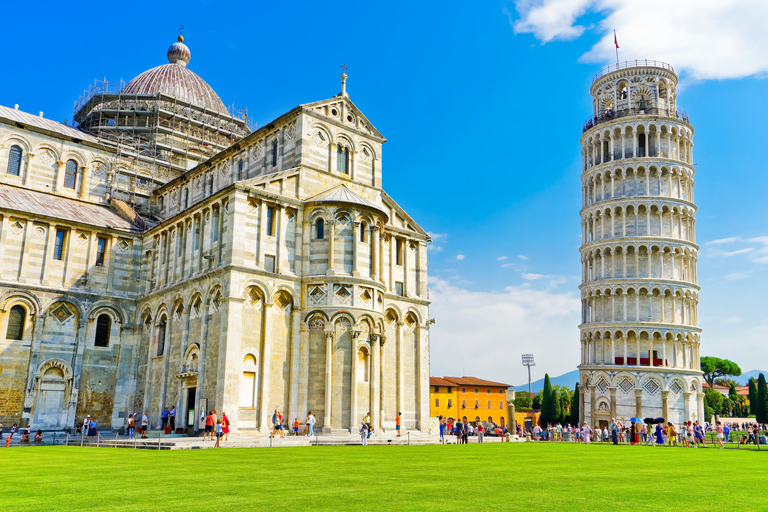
x,y
639,327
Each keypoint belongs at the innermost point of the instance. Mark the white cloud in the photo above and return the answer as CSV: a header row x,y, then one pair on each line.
x,y
437,238
522,257
761,254
736,275
510,265
502,258
725,240
460,257
502,325
710,39
727,254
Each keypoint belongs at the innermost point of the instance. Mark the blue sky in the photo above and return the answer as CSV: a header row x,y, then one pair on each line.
x,y
482,104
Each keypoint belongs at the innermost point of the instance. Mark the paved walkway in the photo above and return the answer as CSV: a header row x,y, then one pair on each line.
x,y
249,440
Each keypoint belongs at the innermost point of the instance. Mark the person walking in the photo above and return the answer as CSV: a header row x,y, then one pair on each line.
x,y
659,436
442,429
144,425
296,427
209,427
225,425
459,431
131,426
311,423
92,432
164,419
720,434
672,434
398,419
614,433
480,433
219,433
172,418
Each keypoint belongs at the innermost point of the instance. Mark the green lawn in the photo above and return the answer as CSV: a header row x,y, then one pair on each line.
x,y
509,476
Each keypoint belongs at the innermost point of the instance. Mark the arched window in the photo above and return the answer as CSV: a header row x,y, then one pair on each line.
x,y
16,319
103,328
477,404
501,404
489,404
185,200
362,231
463,404
161,337
320,229
14,161
70,175
274,153
342,165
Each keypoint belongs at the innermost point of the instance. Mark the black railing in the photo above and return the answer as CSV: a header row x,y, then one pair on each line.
x,y
632,64
611,115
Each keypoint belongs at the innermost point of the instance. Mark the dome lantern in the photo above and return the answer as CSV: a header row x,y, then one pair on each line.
x,y
178,53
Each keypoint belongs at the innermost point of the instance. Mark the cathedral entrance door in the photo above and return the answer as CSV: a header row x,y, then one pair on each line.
x,y
190,407
50,399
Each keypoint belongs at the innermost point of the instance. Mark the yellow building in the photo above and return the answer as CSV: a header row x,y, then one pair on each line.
x,y
469,399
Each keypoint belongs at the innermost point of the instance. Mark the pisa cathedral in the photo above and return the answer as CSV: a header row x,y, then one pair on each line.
x,y
160,251
639,327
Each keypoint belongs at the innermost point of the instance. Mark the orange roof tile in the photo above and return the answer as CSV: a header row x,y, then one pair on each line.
x,y
437,381
474,381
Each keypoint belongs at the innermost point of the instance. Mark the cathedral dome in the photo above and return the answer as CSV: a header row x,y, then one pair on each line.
x,y
174,79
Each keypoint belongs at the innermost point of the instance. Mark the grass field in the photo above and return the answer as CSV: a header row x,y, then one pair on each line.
x,y
510,476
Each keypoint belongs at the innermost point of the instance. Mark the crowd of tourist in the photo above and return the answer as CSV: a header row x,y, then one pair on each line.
x,y
689,434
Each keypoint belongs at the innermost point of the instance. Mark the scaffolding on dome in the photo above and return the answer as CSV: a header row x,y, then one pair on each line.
x,y
154,137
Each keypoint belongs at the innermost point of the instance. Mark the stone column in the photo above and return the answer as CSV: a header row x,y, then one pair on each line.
x,y
639,402
27,169
201,370
582,400
169,330
77,370
28,227
279,237
373,338
331,247
374,252
701,414
59,176
6,225
392,262
111,262
37,333
47,261
665,404
328,380
303,267
381,397
355,334
293,393
355,248
406,249
592,405
381,255
266,355
400,364
262,234
687,404
613,402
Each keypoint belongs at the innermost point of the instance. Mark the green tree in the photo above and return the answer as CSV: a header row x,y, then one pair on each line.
x,y
732,390
752,396
523,403
762,400
714,400
536,403
575,406
557,411
714,367
546,403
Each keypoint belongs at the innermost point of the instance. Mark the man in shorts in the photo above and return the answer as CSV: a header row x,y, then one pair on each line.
x,y
398,420
144,425
209,422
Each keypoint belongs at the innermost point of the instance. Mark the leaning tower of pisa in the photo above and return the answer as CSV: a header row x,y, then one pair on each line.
x,y
639,326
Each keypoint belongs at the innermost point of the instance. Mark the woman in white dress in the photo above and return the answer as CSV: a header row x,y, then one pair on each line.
x,y
585,433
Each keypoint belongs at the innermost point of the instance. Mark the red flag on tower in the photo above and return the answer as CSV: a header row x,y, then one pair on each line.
x,y
615,41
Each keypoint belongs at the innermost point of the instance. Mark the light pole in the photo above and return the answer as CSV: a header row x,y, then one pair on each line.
x,y
528,361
